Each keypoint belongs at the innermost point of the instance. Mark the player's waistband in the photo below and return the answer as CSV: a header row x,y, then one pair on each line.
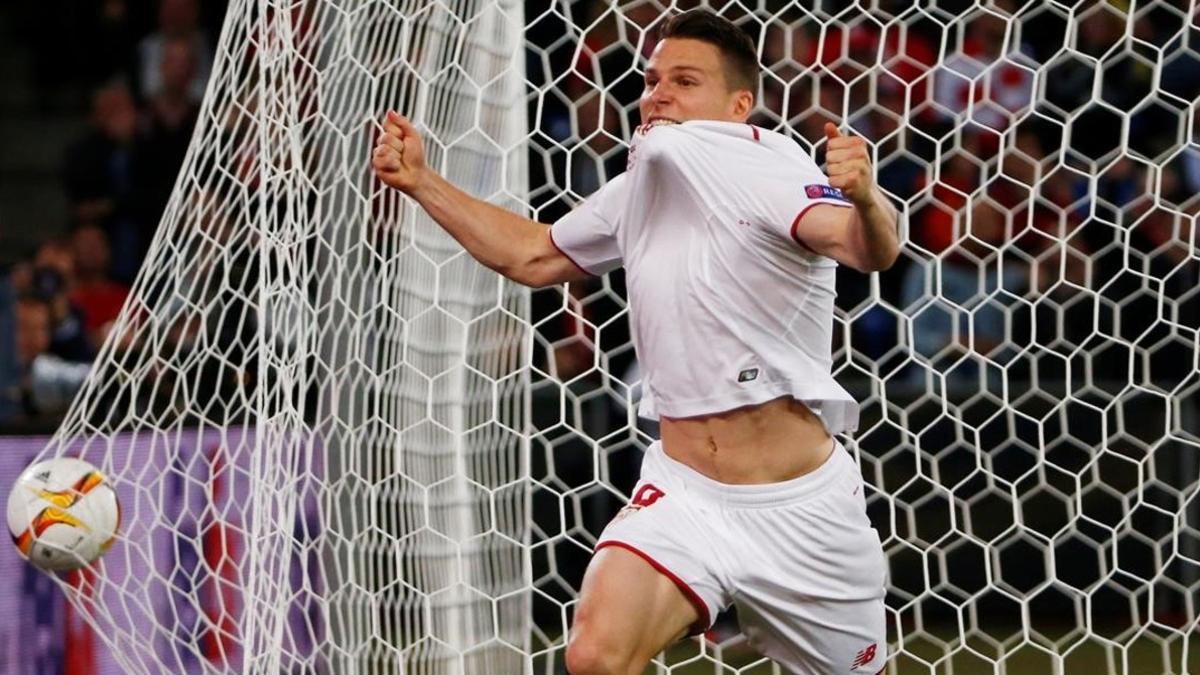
x,y
760,495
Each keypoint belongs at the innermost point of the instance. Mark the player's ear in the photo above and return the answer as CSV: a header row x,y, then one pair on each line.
x,y
743,103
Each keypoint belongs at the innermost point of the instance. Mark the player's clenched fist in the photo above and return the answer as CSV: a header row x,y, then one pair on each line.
x,y
399,156
848,164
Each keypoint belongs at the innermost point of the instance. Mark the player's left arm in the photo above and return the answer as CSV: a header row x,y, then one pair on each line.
x,y
863,237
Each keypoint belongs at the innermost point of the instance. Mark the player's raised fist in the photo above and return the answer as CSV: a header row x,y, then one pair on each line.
x,y
399,156
848,163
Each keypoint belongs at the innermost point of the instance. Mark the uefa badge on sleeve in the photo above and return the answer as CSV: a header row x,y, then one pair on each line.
x,y
817,191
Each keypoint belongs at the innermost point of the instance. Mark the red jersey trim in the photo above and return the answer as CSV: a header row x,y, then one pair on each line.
x,y
754,129
796,223
567,255
705,620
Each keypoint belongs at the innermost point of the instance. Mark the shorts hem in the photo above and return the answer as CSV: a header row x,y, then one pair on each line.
x,y
705,621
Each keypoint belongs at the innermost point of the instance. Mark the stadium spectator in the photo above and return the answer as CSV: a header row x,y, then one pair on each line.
x,y
101,177
984,77
170,116
177,20
34,331
95,293
51,280
46,382
963,227
110,41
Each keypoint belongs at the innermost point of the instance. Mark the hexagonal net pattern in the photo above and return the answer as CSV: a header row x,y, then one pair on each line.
x,y
344,446
316,402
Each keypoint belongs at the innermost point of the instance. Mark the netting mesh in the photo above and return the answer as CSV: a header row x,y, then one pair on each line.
x,y
343,446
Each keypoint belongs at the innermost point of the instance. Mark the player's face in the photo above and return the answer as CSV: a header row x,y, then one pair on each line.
x,y
685,80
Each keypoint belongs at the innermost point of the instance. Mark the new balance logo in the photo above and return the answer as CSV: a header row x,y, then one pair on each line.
x,y
864,657
647,495
747,374
644,497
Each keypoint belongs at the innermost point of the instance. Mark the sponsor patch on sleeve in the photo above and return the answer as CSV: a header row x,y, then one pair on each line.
x,y
824,192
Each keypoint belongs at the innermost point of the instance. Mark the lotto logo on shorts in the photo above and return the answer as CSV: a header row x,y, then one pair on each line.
x,y
824,192
864,657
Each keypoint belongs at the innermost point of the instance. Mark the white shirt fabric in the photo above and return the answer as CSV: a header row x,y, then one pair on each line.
x,y
727,309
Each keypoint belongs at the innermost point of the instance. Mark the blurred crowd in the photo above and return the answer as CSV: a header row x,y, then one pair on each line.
x,y
1018,186
144,65
1015,185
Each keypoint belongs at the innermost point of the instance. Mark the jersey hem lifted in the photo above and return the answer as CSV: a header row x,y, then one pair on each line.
x,y
836,409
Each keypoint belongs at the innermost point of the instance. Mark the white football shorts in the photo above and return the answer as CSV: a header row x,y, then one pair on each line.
x,y
799,559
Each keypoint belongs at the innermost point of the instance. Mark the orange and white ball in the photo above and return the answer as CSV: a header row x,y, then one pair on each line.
x,y
63,514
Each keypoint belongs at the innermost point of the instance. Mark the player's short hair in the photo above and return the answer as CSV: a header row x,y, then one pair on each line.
x,y
736,47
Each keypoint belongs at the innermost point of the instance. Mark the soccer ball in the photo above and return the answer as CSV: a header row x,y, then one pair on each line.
x,y
62,514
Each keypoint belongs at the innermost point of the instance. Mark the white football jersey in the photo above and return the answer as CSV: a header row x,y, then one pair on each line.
x,y
727,309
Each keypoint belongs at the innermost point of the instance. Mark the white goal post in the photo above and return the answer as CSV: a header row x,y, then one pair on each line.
x,y
342,446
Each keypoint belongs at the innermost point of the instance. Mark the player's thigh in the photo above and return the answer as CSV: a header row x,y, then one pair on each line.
x,y
628,611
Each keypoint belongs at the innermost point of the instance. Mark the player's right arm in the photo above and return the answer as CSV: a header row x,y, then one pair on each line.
x,y
517,247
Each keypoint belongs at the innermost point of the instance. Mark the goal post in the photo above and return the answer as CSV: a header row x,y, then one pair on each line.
x,y
341,445
374,368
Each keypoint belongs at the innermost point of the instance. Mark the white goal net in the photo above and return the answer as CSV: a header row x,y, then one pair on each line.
x,y
342,446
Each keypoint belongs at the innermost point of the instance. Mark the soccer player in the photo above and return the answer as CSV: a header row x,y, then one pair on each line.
x,y
730,236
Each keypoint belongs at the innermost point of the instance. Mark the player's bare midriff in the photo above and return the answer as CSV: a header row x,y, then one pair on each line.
x,y
768,443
